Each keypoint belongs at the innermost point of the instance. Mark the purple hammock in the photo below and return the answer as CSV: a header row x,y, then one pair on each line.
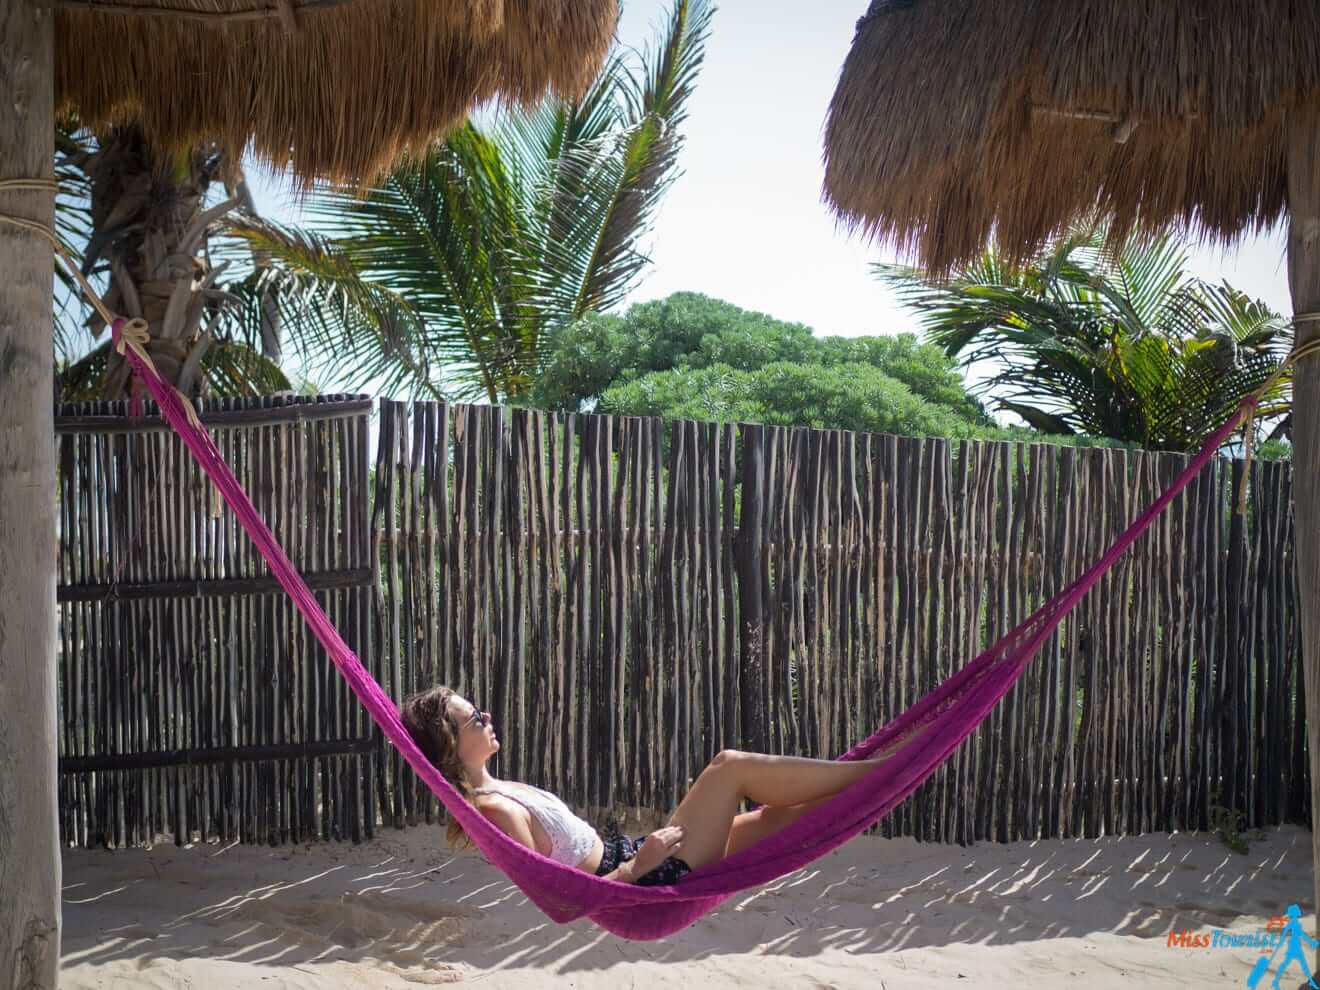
x,y
956,707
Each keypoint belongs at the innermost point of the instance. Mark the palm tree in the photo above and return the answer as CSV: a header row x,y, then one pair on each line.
x,y
1123,344
143,227
445,279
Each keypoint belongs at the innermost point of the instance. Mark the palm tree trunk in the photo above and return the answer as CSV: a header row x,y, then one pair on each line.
x,y
1304,280
149,222
29,832
272,347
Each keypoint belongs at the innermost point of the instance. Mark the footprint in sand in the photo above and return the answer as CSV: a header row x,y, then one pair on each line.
x,y
355,922
433,975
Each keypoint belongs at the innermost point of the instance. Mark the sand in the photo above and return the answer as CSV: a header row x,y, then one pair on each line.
x,y
403,911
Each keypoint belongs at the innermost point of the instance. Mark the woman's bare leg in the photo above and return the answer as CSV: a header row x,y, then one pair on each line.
x,y
751,827
707,811
785,783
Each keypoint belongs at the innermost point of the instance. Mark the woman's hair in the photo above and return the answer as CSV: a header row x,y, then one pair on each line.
x,y
425,714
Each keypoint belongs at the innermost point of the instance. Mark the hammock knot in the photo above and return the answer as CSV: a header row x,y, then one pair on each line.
x,y
125,334
130,333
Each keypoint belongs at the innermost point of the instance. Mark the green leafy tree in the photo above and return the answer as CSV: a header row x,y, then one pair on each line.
x,y
1127,346
690,356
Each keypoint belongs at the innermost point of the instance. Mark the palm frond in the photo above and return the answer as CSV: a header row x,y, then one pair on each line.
x,y
1124,344
333,314
620,178
73,226
230,369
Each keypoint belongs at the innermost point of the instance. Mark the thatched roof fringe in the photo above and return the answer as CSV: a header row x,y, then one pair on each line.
x,y
955,121
344,96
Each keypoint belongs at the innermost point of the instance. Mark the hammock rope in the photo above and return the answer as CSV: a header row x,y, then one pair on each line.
x,y
952,710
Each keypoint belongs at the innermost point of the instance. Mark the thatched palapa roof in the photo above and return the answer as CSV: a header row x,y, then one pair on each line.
x,y
957,119
332,88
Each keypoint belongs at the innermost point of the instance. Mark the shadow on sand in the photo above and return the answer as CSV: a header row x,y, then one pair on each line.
x,y
412,908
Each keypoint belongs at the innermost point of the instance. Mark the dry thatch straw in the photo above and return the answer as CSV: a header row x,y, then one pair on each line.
x,y
958,120
326,88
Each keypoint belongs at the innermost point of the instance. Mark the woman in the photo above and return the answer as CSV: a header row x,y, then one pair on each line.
x,y
459,739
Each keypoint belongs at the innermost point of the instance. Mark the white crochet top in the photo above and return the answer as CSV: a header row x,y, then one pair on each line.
x,y
571,839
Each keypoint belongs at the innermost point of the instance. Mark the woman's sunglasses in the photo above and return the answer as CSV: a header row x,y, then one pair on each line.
x,y
478,717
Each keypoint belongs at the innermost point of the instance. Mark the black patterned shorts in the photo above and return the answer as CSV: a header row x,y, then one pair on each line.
x,y
621,849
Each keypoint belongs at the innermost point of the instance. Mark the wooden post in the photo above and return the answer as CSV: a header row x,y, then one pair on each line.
x,y
747,559
29,837
1304,281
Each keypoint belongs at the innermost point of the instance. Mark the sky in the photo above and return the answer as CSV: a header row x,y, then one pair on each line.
x,y
745,222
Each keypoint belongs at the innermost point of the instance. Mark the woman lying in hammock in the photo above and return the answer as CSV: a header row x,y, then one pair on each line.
x,y
459,739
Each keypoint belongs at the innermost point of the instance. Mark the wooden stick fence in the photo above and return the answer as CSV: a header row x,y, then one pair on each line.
x,y
193,701
629,596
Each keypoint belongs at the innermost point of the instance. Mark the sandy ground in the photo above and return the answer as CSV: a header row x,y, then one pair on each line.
x,y
403,911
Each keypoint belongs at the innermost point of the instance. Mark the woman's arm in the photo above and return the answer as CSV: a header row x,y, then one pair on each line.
x,y
659,844
512,820
622,873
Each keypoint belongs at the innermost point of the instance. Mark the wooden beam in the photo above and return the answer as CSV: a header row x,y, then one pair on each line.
x,y
219,754
29,830
212,17
1304,281
1042,110
1124,123
212,588
219,419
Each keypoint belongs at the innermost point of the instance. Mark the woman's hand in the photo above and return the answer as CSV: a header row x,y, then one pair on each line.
x,y
659,845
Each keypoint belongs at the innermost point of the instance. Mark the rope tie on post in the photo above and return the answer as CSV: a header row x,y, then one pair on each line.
x,y
126,334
